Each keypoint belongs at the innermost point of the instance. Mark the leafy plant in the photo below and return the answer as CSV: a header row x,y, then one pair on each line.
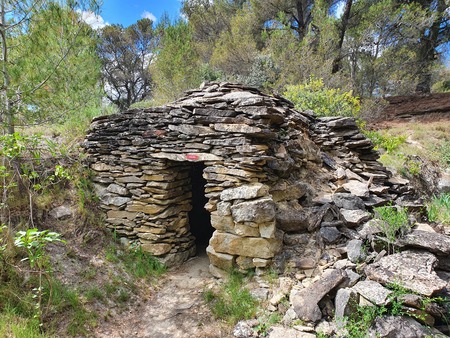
x,y
233,302
34,242
313,95
392,220
266,322
438,209
382,140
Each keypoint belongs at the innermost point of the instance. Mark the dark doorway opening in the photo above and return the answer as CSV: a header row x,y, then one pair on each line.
x,y
199,217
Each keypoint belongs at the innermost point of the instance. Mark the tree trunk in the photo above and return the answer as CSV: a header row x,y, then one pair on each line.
x,y
7,116
427,53
337,62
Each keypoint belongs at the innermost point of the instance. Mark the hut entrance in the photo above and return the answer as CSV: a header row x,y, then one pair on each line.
x,y
199,217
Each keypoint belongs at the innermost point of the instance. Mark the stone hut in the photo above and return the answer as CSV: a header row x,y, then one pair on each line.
x,y
241,172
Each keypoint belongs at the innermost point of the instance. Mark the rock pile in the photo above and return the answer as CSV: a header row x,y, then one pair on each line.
x,y
408,291
281,184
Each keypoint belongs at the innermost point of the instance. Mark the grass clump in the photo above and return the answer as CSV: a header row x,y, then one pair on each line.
x,y
136,262
14,325
445,153
233,302
142,264
438,209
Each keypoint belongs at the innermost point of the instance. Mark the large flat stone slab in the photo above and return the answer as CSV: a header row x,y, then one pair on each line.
x,y
411,269
258,211
431,241
248,191
401,327
244,246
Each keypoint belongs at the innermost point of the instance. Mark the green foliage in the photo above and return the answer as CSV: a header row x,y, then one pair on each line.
x,y
177,67
14,325
313,95
265,322
438,209
65,300
445,153
142,264
94,293
411,166
34,242
385,141
359,323
54,70
138,263
125,55
392,220
233,302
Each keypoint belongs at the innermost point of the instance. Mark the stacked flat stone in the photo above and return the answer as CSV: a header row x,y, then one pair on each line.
x,y
265,165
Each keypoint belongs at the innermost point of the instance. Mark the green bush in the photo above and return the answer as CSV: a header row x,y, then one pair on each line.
x,y
384,141
313,95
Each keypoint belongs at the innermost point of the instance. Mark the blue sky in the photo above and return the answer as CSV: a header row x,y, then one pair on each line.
x,y
128,12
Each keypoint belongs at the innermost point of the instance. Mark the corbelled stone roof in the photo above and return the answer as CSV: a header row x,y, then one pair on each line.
x,y
273,173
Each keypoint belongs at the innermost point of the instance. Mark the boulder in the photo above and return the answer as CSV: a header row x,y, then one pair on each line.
x,y
330,234
258,211
290,219
244,246
242,330
61,212
401,327
356,252
284,332
355,217
345,303
357,188
348,201
413,270
431,241
245,192
306,301
373,292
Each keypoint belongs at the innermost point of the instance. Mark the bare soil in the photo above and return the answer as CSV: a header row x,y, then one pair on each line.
x,y
175,310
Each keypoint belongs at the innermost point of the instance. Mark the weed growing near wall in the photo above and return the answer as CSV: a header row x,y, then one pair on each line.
x,y
438,209
384,141
233,302
392,221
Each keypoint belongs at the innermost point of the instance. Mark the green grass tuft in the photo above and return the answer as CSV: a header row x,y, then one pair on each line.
x,y
438,209
233,302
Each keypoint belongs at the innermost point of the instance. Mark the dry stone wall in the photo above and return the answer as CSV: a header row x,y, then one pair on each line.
x,y
281,184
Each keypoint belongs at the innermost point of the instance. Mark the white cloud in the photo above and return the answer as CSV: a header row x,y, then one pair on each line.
x,y
148,15
339,10
92,19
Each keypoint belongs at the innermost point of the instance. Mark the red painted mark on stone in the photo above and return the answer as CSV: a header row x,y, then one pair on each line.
x,y
191,157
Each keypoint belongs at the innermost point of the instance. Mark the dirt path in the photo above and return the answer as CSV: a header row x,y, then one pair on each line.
x,y
176,310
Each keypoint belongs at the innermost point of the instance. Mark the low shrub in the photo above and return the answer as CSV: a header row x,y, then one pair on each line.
x,y
313,95
389,143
